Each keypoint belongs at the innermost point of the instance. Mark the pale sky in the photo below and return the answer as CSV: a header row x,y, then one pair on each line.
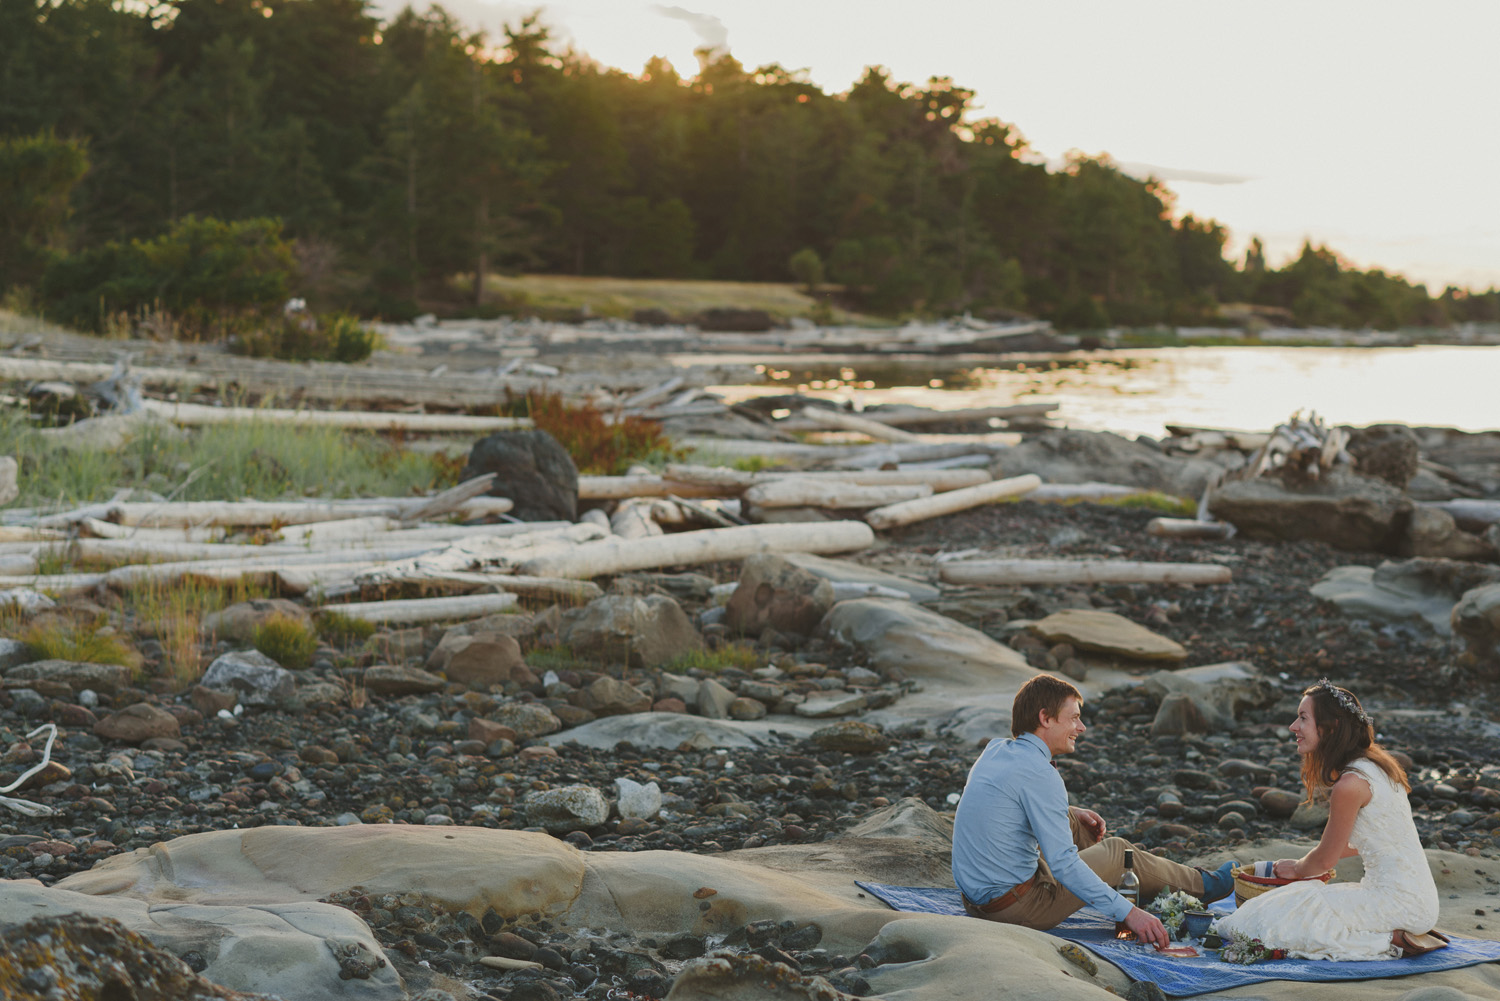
x,y
1370,125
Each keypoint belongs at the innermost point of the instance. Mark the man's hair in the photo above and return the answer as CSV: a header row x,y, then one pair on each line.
x,y
1043,693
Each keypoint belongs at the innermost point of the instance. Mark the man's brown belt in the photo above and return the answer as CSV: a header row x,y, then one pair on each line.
x,y
1003,901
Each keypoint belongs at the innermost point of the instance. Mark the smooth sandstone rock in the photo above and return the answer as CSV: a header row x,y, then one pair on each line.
x,y
137,723
774,592
1107,633
645,631
923,644
77,675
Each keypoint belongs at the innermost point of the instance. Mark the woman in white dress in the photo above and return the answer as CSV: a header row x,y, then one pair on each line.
x,y
1369,816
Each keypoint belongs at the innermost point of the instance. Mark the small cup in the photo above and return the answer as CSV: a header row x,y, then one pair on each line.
x,y
1196,923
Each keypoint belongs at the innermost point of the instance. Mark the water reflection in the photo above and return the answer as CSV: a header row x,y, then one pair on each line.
x,y
1140,391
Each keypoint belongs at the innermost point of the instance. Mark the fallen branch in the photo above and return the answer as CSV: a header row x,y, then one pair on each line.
x,y
800,492
199,415
1189,529
849,422
955,500
26,806
1047,572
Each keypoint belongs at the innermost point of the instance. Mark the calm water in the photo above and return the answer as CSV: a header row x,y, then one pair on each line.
x,y
1141,391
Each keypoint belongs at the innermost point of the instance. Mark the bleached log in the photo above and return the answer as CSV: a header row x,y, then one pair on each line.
x,y
357,533
594,516
937,505
17,564
971,460
1083,491
167,514
156,551
621,487
1048,572
415,610
100,529
1189,529
733,481
652,394
850,422
795,492
632,520
26,533
199,415
703,514
543,588
906,418
666,512
612,556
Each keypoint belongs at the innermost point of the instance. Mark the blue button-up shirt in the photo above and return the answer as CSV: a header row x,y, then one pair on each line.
x,y
1014,807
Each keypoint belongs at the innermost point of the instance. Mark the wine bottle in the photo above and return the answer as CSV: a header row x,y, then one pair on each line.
x,y
1129,887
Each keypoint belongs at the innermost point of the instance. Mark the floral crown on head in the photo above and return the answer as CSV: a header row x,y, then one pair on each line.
x,y
1345,700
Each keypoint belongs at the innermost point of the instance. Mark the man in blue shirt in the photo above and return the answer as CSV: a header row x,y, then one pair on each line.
x,y
1023,856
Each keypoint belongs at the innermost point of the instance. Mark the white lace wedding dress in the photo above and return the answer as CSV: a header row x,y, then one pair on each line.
x,y
1352,921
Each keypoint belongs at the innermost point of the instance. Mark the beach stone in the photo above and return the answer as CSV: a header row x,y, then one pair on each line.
x,y
847,577
256,679
518,624
643,631
1432,532
1106,632
608,696
659,730
136,723
567,808
527,719
1219,692
14,652
488,731
1475,622
832,704
1235,767
1309,816
1279,803
677,686
899,636
746,708
774,592
478,660
390,679
851,737
237,622
669,705
1178,714
77,676
209,701
397,646
713,699
636,801
1343,509
533,469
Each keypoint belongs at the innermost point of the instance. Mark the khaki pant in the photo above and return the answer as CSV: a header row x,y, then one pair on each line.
x,y
1048,903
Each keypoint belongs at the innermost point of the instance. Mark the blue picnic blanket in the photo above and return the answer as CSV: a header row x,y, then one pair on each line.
x,y
1179,977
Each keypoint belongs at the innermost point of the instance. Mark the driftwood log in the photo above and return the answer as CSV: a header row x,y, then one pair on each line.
x,y
1048,572
839,420
613,556
1189,529
937,505
415,610
800,492
198,415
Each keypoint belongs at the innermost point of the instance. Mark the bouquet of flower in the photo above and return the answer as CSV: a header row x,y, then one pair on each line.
x,y
1171,906
1245,950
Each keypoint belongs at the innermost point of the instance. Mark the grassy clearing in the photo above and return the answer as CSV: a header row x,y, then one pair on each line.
x,y
621,297
251,459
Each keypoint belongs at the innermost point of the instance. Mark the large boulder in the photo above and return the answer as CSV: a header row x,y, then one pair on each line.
x,y
1107,633
1416,591
1073,456
237,622
1433,532
1387,452
478,660
255,678
898,636
77,675
532,469
1343,509
137,723
1208,698
775,592
1476,630
641,630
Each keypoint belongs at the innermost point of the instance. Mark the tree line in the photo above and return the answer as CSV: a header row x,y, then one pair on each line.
x,y
378,161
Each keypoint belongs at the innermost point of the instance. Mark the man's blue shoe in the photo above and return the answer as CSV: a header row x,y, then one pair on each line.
x,y
1219,883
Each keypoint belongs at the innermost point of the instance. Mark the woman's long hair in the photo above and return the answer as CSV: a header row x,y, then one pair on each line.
x,y
1342,737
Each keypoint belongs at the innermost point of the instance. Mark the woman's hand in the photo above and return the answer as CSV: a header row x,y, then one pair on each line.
x,y
1285,868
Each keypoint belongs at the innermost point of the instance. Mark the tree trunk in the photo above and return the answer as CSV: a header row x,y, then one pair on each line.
x,y
954,500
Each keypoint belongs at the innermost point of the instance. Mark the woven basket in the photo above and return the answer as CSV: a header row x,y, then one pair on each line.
x,y
1247,884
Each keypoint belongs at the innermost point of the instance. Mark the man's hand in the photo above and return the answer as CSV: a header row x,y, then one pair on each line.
x,y
1092,822
1147,928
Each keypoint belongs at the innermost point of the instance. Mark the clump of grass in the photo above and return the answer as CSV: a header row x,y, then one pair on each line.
x,y
287,640
738,655
1153,500
336,627
253,459
752,463
597,446
92,642
173,612
552,657
303,337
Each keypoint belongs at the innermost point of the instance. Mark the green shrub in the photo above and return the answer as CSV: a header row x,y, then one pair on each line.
x,y
738,655
302,337
336,627
92,642
287,640
213,278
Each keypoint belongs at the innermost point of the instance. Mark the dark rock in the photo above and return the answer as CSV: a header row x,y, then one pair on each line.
x,y
1387,452
733,320
533,469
